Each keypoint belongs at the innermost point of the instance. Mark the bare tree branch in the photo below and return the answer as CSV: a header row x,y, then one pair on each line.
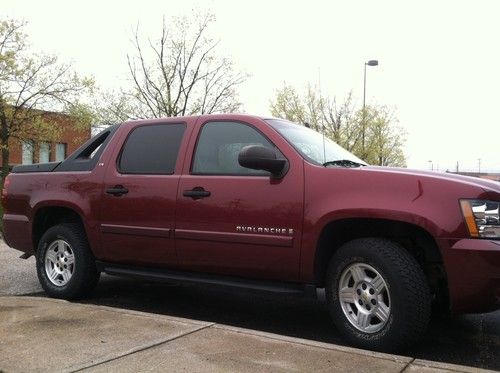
x,y
179,73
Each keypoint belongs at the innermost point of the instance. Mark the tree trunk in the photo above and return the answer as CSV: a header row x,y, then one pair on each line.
x,y
4,140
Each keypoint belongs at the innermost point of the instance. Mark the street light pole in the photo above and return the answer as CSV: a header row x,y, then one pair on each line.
x,y
368,63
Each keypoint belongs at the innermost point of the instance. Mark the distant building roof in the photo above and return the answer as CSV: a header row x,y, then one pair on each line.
x,y
483,175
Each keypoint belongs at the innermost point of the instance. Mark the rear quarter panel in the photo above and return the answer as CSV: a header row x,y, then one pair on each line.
x,y
28,192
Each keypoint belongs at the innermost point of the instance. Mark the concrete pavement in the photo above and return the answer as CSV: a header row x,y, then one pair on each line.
x,y
40,334
258,331
17,276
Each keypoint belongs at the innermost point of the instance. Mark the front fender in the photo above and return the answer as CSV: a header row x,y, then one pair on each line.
x,y
431,204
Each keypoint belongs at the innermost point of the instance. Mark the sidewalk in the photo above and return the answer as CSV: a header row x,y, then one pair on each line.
x,y
40,334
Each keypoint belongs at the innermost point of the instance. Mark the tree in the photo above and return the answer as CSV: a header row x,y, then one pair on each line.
x,y
342,122
178,74
29,84
384,138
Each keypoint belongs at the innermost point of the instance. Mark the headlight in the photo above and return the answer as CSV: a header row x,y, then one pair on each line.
x,y
482,217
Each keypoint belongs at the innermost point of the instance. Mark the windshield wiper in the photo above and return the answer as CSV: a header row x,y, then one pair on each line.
x,y
343,163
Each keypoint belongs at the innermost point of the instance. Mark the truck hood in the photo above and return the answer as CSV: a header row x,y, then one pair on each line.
x,y
486,185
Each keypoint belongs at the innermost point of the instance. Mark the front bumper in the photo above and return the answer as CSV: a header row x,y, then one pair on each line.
x,y
473,271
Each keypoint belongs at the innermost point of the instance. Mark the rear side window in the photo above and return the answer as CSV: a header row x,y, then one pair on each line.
x,y
151,149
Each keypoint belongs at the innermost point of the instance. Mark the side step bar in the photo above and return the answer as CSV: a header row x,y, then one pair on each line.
x,y
191,278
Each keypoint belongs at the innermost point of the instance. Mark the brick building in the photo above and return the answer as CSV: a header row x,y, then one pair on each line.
x,y
29,151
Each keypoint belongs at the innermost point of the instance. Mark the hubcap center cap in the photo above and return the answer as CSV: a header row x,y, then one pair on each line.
x,y
367,295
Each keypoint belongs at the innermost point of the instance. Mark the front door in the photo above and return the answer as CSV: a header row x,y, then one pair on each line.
x,y
139,196
233,220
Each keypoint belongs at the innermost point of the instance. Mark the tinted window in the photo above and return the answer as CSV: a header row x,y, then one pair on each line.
x,y
219,145
152,149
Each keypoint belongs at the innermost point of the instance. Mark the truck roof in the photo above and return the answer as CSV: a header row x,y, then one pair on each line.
x,y
231,116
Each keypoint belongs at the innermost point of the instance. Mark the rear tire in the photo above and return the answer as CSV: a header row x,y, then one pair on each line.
x,y
65,265
385,302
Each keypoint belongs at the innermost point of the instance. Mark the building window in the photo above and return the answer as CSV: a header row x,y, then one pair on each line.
x,y
44,152
28,152
61,149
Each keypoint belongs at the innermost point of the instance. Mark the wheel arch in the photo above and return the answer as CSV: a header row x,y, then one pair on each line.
x,y
47,216
416,239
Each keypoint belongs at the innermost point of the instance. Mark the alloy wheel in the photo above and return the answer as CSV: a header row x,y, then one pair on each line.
x,y
364,297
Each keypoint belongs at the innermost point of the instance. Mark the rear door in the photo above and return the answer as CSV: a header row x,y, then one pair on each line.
x,y
139,196
236,221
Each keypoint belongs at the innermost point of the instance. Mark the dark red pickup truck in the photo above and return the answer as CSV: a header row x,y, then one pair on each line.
x,y
264,204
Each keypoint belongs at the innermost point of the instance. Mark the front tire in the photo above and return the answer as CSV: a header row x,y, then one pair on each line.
x,y
65,265
378,295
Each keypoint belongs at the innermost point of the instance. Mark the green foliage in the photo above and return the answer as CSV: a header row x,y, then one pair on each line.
x,y
385,138
31,83
343,123
288,104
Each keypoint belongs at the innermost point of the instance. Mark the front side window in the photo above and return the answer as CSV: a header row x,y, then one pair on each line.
x,y
151,149
218,147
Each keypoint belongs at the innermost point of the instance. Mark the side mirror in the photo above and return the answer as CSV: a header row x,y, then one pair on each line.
x,y
259,157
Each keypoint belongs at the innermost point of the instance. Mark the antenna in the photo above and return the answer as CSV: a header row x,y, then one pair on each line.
x,y
321,114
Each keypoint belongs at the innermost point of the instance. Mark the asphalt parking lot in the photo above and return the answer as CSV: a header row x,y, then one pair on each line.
x,y
472,340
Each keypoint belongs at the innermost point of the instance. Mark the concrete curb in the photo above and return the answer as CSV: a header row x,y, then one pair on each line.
x,y
408,364
311,343
421,365
117,310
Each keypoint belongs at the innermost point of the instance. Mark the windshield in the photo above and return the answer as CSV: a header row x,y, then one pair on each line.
x,y
309,143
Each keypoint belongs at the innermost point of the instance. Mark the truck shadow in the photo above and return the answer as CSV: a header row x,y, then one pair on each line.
x,y
472,340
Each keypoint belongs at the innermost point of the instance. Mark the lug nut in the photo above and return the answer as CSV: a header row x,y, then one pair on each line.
x,y
372,291
358,291
363,286
360,302
374,302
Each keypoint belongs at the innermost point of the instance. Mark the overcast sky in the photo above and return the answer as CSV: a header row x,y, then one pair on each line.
x,y
438,59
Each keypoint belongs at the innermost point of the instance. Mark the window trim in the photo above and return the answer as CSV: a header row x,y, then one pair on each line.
x,y
119,156
233,175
